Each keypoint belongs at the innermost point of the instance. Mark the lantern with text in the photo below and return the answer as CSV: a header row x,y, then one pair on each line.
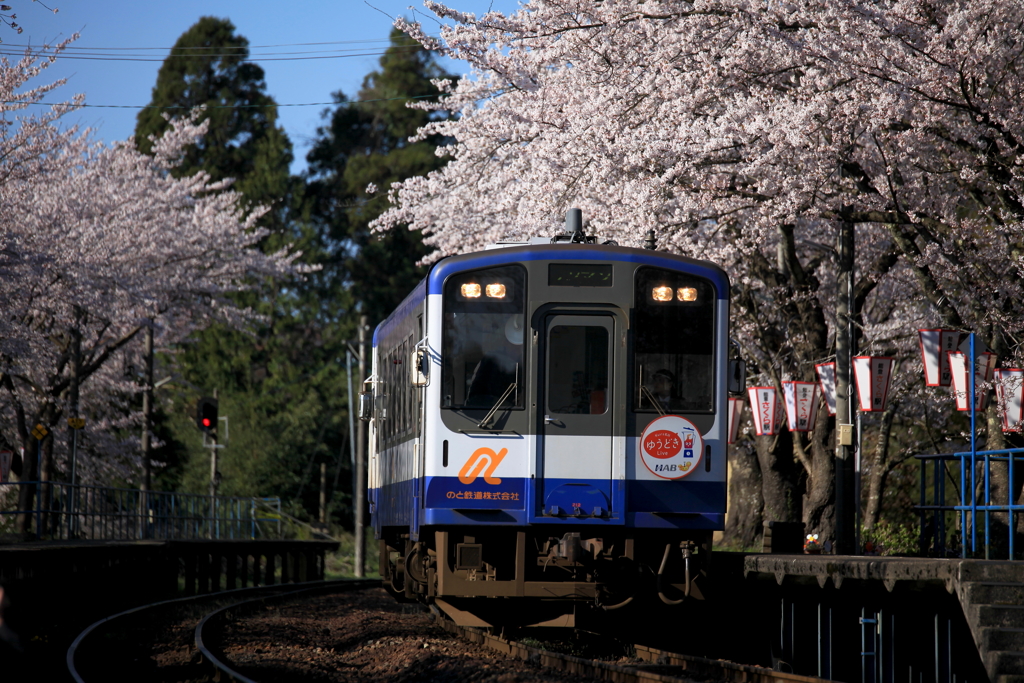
x,y
827,380
1009,393
935,348
764,404
801,405
873,373
986,365
735,417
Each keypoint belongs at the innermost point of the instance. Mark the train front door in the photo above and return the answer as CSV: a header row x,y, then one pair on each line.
x,y
576,416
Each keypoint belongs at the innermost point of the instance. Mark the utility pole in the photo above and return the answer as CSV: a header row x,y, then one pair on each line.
x,y
74,422
147,428
323,494
360,492
846,503
147,408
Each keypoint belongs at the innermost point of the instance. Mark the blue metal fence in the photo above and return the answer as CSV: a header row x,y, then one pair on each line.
x,y
968,508
974,506
64,512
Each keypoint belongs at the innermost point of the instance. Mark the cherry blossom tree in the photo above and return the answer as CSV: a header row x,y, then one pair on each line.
x,y
97,243
751,133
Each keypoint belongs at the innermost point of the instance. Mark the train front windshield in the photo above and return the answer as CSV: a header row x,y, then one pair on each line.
x,y
674,341
484,329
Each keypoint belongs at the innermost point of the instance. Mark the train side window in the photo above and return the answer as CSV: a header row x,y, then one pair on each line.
x,y
674,341
484,327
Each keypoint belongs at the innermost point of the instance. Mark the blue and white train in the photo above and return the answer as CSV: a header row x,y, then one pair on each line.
x,y
548,426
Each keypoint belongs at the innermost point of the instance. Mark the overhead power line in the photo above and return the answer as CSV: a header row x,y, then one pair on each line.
x,y
227,106
250,57
210,47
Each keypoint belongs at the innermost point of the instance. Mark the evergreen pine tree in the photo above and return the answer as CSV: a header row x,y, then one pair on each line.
x,y
366,142
279,384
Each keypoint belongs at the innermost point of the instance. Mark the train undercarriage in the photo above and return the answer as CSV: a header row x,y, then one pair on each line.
x,y
543,576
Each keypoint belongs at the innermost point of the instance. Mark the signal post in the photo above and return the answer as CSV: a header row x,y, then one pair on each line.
x,y
206,420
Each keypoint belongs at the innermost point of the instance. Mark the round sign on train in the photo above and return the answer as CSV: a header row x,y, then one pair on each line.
x,y
671,447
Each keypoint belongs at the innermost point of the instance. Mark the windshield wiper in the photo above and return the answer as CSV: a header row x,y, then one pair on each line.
x,y
512,387
650,397
490,413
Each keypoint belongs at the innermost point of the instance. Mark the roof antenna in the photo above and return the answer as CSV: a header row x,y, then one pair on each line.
x,y
574,224
651,242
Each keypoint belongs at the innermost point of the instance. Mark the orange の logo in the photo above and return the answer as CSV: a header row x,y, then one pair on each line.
x,y
484,460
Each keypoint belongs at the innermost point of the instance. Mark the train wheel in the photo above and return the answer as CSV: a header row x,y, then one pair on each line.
x,y
416,564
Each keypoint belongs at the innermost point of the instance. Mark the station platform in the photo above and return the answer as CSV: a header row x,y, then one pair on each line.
x,y
990,595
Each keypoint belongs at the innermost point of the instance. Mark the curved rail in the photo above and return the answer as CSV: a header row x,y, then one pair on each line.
x,y
77,645
215,659
656,665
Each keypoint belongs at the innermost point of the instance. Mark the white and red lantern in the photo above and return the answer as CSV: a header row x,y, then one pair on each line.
x,y
801,405
827,380
874,374
985,368
935,348
735,417
1010,393
764,404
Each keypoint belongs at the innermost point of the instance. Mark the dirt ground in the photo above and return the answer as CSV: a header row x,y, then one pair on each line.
x,y
365,636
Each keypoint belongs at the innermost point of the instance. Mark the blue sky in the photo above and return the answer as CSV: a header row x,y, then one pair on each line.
x,y
129,40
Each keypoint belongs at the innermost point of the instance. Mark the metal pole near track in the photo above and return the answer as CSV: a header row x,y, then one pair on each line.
x,y
360,492
846,503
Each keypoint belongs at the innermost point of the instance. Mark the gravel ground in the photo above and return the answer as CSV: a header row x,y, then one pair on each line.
x,y
365,636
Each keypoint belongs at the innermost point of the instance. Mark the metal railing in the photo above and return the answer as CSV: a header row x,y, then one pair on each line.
x,y
64,512
975,505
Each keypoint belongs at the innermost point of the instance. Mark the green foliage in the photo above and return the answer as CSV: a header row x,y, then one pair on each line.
x,y
891,539
368,143
282,384
341,564
278,383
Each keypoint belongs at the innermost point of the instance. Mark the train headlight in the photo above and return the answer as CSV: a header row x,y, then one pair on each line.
x,y
471,290
686,294
496,291
662,294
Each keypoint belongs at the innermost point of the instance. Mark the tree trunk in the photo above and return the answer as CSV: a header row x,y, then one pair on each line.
x,y
780,478
27,492
820,502
878,470
744,522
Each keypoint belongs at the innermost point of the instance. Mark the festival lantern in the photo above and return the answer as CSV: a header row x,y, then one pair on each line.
x,y
801,405
735,417
985,367
935,348
764,404
1010,392
873,373
827,380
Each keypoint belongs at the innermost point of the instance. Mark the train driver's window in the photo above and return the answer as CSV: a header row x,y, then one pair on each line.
x,y
482,354
674,341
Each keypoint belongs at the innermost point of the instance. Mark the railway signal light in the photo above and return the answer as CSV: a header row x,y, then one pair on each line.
x,y
206,414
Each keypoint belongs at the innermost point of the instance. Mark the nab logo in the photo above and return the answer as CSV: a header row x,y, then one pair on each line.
x,y
483,460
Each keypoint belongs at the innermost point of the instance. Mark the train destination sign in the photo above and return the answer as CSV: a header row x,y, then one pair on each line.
x,y
580,275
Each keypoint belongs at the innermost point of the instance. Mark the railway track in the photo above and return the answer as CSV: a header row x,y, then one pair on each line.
x,y
96,653
653,664
113,649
